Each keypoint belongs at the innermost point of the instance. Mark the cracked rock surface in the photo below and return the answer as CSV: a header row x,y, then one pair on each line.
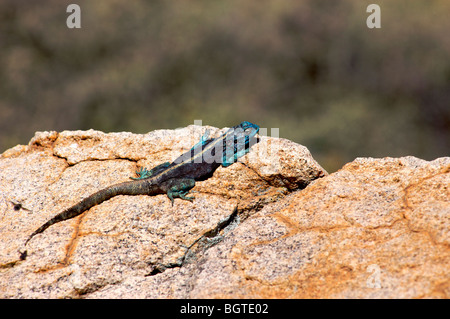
x,y
126,236
273,225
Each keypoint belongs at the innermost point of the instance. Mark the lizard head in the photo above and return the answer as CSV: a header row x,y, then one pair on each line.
x,y
238,141
247,126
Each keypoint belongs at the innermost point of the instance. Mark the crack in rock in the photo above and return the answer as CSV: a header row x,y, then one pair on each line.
x,y
203,243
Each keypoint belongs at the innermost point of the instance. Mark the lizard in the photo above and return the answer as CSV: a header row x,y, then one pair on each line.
x,y
175,179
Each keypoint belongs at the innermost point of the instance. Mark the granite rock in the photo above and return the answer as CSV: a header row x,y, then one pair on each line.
x,y
274,225
127,236
377,228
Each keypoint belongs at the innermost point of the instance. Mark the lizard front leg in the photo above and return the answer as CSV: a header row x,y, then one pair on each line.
x,y
143,173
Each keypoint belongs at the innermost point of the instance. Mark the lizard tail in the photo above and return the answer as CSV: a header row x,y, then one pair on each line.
x,y
83,206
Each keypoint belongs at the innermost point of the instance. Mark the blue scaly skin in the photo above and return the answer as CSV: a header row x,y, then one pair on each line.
x,y
175,179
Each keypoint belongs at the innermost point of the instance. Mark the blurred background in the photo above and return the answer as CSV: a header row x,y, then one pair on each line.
x,y
311,68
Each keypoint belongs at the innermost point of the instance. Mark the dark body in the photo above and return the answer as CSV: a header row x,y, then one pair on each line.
x,y
174,179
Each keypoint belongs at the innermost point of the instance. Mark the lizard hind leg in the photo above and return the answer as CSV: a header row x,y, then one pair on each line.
x,y
178,188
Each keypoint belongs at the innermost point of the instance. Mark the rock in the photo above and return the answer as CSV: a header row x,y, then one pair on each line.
x,y
128,236
378,228
267,227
